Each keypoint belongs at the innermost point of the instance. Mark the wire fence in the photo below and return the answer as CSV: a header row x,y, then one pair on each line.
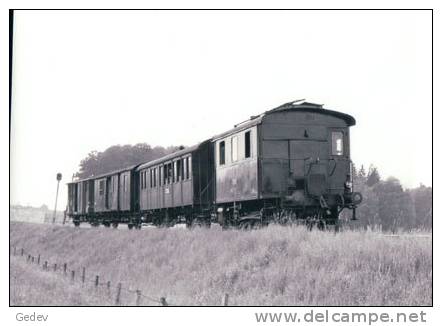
x,y
114,294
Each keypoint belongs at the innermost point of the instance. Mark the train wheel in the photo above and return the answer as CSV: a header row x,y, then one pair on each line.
x,y
130,226
256,225
249,225
245,225
115,225
106,224
310,224
76,223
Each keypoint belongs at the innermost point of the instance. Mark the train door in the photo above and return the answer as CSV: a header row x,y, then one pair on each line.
x,y
108,198
91,196
75,197
307,156
84,197
308,165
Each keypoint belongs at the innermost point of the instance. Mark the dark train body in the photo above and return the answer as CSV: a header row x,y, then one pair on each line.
x,y
288,164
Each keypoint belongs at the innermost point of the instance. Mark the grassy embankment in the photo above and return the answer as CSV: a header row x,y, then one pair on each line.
x,y
272,266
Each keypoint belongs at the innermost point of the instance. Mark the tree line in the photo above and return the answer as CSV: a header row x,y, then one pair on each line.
x,y
119,157
388,205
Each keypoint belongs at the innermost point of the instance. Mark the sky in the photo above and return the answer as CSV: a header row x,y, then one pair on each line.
x,y
87,80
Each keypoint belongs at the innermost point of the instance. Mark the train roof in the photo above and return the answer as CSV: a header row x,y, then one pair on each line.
x,y
315,108
253,121
290,106
102,175
141,166
171,156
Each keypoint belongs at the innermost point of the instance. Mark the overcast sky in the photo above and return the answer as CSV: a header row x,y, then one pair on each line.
x,y
85,81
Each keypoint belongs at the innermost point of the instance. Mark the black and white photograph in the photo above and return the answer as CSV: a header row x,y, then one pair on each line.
x,y
221,158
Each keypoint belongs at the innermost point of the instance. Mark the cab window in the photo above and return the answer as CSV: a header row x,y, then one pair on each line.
x,y
247,152
222,153
234,147
337,143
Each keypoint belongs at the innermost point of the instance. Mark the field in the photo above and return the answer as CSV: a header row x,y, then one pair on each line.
x,y
272,266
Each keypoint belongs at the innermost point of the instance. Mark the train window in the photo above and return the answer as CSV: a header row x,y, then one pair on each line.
x,y
175,175
337,143
182,169
178,170
222,153
101,187
160,168
154,177
164,174
169,173
189,167
186,168
234,148
247,144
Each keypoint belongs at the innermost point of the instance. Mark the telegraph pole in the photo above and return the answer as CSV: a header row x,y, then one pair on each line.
x,y
56,197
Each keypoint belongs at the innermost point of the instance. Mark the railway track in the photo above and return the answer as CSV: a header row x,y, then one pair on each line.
x,y
217,226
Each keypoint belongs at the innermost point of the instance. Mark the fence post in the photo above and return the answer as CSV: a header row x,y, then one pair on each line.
x,y
22,251
72,276
108,288
163,301
45,266
96,281
138,297
28,258
117,299
225,301
55,267
38,259
83,275
32,259
65,267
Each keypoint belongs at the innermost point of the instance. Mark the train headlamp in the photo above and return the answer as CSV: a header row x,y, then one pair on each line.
x,y
348,184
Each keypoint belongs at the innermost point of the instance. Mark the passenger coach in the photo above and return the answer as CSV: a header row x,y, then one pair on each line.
x,y
177,187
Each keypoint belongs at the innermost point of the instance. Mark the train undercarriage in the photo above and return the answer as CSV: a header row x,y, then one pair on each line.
x,y
322,212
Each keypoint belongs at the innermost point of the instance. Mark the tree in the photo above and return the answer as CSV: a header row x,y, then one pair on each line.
x,y
119,157
373,176
362,174
423,205
386,204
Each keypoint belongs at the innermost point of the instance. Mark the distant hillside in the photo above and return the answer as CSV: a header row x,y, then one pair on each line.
x,y
34,214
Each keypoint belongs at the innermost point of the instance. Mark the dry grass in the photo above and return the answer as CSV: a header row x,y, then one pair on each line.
x,y
32,286
272,266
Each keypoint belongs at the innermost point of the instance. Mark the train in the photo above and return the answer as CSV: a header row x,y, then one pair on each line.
x,y
290,164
